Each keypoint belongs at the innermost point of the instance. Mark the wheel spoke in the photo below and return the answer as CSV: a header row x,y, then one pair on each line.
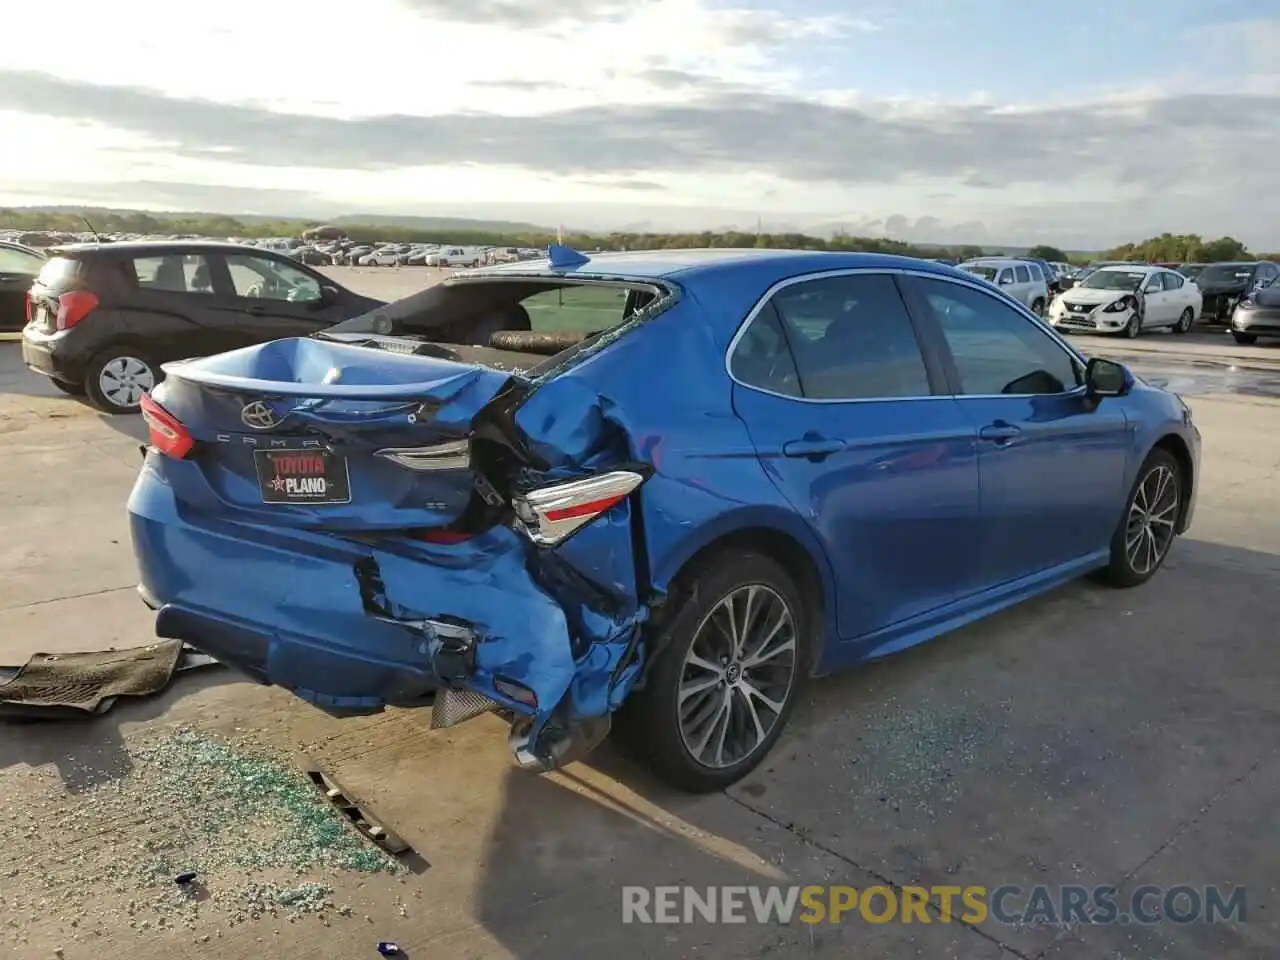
x,y
693,660
749,706
750,690
690,687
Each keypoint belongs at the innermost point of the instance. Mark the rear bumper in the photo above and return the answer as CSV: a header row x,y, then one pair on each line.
x,y
54,355
353,627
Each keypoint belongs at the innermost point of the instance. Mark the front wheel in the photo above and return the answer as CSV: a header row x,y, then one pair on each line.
x,y
1184,321
719,695
1245,338
1150,522
1134,326
117,378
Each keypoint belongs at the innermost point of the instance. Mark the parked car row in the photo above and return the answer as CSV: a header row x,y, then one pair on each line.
x,y
1130,298
354,253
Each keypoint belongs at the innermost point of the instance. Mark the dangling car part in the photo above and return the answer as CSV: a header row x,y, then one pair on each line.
x,y
660,489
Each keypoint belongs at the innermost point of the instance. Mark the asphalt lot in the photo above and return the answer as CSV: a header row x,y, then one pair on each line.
x,y
1090,737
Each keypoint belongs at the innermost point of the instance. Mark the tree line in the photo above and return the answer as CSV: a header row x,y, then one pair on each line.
x,y
1181,248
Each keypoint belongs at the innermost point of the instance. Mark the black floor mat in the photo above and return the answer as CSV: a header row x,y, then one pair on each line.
x,y
86,684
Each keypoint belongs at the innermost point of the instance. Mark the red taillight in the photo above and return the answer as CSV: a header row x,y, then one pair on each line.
x,y
28,307
550,514
166,432
588,509
434,535
74,307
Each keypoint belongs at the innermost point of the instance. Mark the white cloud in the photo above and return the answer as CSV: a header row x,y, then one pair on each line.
x,y
410,104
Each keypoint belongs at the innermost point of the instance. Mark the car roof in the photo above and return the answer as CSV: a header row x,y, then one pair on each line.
x,y
684,264
142,247
997,261
15,245
1133,268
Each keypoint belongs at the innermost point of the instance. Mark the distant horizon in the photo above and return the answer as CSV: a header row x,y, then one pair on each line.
x,y
506,224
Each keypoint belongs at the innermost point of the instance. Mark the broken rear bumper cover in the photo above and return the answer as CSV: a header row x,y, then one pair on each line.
x,y
350,626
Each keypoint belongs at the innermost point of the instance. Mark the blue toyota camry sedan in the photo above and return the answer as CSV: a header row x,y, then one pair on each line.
x,y
647,492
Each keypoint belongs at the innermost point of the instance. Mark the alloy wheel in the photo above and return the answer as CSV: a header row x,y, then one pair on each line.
x,y
123,380
738,674
1152,516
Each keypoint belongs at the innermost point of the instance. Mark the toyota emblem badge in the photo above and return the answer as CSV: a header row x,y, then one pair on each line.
x,y
258,415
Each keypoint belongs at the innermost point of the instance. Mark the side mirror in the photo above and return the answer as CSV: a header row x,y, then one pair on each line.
x,y
1005,280
1106,378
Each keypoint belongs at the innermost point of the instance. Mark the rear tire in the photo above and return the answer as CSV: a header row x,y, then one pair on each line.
x,y
695,721
1245,338
1185,321
116,379
1146,530
1037,307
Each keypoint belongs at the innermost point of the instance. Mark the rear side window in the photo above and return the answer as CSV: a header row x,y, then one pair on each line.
x,y
762,356
174,273
1023,274
59,272
1036,273
852,339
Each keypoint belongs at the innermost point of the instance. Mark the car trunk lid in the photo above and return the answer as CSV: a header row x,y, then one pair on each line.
x,y
313,433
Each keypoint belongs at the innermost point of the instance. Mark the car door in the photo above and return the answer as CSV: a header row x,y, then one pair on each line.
x,y
18,270
1022,284
1160,304
274,299
1005,281
1051,461
174,307
846,418
1177,293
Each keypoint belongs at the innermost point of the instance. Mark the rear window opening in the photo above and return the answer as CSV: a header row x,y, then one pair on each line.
x,y
523,325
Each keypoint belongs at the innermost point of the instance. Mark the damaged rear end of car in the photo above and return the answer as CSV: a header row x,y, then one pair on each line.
x,y
425,506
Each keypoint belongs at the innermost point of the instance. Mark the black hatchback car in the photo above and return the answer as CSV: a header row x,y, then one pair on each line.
x,y
102,318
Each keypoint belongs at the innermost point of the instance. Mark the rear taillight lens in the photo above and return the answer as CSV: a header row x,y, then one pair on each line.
x,y
550,514
74,307
28,307
165,431
439,536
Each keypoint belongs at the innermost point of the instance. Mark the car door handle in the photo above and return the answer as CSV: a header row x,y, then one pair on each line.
x,y
254,310
999,433
815,448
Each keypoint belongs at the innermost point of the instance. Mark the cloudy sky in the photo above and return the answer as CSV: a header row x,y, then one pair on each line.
x,y
1083,124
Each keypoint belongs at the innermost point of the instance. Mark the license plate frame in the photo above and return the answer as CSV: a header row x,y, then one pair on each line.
x,y
302,477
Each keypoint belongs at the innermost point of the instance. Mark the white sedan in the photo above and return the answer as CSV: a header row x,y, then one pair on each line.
x,y
1128,299
381,258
